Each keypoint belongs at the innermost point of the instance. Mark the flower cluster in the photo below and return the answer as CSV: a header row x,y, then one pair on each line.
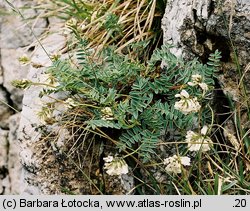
x,y
187,104
45,115
231,137
200,141
69,26
52,82
174,163
107,113
24,60
197,80
22,84
71,103
115,166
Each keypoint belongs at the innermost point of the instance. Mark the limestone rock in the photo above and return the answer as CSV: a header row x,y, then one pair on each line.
x,y
10,166
13,70
1,75
5,111
197,28
14,164
29,133
4,173
184,26
15,32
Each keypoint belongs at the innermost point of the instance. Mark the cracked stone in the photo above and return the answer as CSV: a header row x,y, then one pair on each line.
x,y
5,111
4,179
15,32
14,164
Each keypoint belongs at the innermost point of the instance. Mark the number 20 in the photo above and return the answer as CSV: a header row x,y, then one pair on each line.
x,y
240,203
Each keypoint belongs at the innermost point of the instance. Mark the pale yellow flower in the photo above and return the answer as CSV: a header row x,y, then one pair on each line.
x,y
197,80
233,140
45,114
187,104
24,60
183,94
174,163
115,166
71,103
203,86
22,84
107,113
71,22
198,141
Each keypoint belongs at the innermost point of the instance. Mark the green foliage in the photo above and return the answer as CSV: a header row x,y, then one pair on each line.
x,y
140,98
214,59
111,24
102,123
130,100
74,8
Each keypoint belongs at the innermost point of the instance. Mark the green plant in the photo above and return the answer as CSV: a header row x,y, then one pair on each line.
x,y
135,100
134,106
137,106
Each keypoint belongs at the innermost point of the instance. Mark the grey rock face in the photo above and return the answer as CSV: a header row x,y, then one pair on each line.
x,y
16,29
14,161
198,28
15,41
10,165
4,174
12,70
31,157
5,111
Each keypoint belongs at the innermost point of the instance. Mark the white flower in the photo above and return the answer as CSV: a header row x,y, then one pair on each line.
x,y
197,80
107,113
204,130
185,161
108,159
200,141
203,86
115,166
174,163
183,94
71,103
187,105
